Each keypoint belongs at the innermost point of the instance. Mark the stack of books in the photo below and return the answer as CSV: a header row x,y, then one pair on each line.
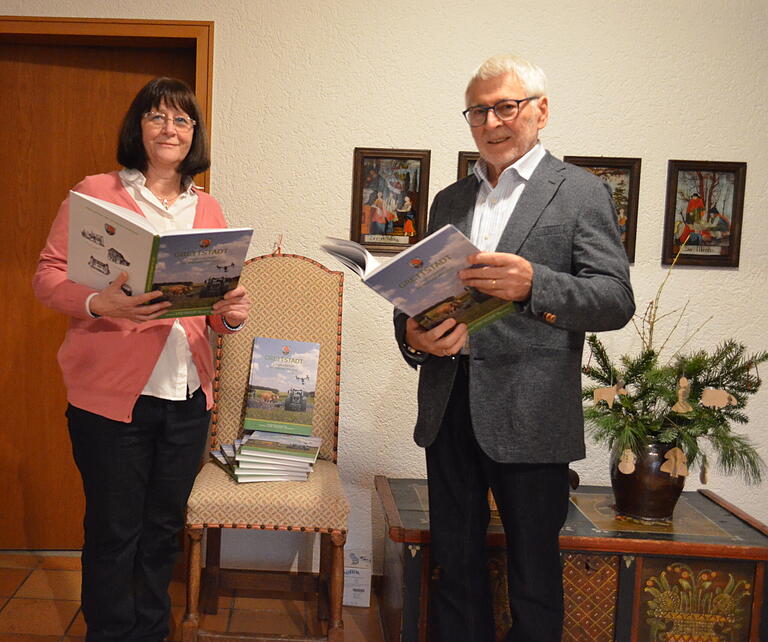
x,y
264,456
278,444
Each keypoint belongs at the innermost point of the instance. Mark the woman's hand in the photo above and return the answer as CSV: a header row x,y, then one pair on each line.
x,y
234,306
445,339
113,302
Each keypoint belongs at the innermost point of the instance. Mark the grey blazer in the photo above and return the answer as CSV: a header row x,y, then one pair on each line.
x,y
525,368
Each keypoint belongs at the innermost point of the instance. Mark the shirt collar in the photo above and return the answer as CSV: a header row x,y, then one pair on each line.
x,y
523,166
137,179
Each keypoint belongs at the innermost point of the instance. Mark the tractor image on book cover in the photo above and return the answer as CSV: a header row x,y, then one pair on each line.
x,y
214,286
296,399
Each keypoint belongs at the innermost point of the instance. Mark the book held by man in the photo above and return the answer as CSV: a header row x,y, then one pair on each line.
x,y
423,281
193,268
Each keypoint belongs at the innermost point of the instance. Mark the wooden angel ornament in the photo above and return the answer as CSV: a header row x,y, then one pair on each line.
x,y
683,392
675,463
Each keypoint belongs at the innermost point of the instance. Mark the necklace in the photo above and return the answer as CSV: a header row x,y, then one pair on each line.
x,y
165,201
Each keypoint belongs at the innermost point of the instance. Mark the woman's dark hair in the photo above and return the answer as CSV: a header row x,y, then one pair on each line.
x,y
177,94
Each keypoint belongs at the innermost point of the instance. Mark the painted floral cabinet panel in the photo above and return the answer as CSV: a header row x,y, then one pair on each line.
x,y
693,599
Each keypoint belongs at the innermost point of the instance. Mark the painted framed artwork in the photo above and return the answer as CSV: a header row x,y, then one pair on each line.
x,y
467,162
389,198
623,177
703,214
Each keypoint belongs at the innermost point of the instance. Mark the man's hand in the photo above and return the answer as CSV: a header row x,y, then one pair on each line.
x,y
234,306
507,276
443,340
113,302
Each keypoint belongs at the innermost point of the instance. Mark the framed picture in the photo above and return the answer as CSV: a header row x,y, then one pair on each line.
x,y
623,177
467,162
705,202
389,198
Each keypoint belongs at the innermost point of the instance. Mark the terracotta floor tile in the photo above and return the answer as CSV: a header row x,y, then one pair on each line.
x,y
56,585
11,579
265,622
37,617
60,562
217,623
77,628
18,560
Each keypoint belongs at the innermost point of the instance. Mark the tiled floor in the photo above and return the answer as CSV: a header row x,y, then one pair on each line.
x,y
39,600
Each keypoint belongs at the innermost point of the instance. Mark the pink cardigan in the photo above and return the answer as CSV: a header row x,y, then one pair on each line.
x,y
106,362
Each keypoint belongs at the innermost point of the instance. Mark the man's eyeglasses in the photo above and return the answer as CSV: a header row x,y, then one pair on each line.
x,y
506,109
158,119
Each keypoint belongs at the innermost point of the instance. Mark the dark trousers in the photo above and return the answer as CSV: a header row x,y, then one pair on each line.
x,y
533,503
137,478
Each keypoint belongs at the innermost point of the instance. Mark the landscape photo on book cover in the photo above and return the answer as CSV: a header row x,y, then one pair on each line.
x,y
281,386
427,286
195,273
297,447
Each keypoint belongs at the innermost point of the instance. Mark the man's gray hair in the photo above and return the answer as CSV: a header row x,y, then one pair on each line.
x,y
532,77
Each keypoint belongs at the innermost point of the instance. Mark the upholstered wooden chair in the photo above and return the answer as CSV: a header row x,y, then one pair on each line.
x,y
293,298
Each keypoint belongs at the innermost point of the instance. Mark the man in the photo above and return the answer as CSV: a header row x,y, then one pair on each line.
x,y
503,409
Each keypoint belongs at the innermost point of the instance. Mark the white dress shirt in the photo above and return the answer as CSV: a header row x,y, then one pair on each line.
x,y
494,205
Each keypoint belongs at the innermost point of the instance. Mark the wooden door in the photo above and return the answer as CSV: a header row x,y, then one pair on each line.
x,y
64,87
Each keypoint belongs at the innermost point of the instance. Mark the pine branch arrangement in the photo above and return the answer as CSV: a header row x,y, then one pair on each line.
x,y
643,411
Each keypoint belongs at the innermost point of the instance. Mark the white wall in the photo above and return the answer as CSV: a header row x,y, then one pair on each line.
x,y
299,84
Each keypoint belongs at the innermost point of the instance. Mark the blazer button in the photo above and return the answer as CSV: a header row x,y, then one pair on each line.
x,y
549,317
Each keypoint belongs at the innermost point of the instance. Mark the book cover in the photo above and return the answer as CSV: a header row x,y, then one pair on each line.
x,y
218,458
423,280
228,451
281,386
193,268
256,463
280,477
278,446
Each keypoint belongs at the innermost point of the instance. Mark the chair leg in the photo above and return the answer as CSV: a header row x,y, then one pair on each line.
x,y
324,577
191,621
209,586
336,588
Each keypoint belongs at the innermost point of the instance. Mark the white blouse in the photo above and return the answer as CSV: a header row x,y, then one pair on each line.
x,y
175,376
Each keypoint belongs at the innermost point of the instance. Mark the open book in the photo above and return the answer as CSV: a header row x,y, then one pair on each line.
x,y
193,268
423,281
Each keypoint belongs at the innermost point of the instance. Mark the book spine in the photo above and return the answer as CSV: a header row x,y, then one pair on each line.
x,y
152,263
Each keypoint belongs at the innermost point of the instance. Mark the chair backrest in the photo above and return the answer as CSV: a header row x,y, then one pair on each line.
x,y
294,298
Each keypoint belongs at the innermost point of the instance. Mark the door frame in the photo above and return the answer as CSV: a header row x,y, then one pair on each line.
x,y
192,34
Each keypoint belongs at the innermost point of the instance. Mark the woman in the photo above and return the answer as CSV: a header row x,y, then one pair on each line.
x,y
139,388
378,219
409,228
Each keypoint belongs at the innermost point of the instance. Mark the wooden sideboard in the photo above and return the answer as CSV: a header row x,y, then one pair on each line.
x,y
701,578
